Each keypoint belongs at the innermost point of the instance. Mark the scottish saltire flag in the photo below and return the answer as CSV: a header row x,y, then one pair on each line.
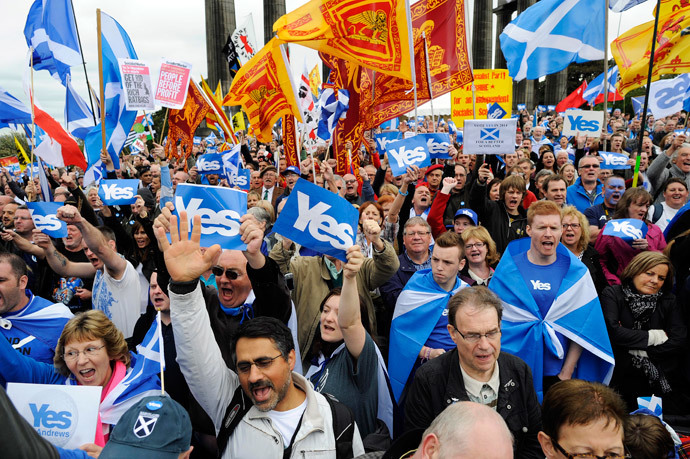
x,y
418,309
596,87
150,352
43,180
12,110
95,173
619,6
638,104
51,31
575,313
551,34
334,107
651,403
211,139
118,120
77,113
231,161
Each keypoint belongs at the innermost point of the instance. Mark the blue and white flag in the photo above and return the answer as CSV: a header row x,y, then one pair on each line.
x,y
667,96
95,173
521,106
575,313
495,112
210,163
619,6
45,218
77,113
12,110
614,160
151,355
324,222
452,129
417,311
627,229
390,125
596,87
651,403
166,187
437,144
405,153
211,139
118,120
196,140
551,34
51,31
118,192
383,139
541,108
46,190
220,210
241,179
231,161
638,104
334,105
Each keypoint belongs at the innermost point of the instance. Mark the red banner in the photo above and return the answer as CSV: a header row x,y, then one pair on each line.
x,y
290,141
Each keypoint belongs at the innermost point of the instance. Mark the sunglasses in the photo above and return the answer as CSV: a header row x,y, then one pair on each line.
x,y
218,271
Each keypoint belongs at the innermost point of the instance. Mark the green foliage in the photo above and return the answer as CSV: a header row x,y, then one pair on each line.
x,y
8,147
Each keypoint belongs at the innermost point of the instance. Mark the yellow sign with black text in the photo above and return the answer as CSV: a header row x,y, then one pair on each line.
x,y
491,86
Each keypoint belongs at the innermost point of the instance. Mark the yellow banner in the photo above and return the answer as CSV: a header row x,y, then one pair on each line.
x,y
491,86
315,80
238,121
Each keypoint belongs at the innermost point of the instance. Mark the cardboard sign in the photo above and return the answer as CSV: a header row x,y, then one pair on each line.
x,y
437,144
64,415
44,215
627,229
210,163
118,192
491,86
220,210
614,160
489,137
588,122
136,83
383,139
405,153
173,82
318,220
241,179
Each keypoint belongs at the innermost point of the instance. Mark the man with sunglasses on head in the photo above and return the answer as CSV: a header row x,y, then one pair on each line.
x,y
476,370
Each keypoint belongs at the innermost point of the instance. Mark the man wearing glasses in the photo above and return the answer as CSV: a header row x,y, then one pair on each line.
x,y
587,189
476,370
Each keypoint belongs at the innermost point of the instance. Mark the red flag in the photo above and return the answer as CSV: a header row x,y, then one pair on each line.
x,y
290,141
61,149
613,97
574,100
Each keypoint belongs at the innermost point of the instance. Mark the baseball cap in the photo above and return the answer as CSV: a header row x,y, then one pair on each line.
x,y
469,213
291,170
156,427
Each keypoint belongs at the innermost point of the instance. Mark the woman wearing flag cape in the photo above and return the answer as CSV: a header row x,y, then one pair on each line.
x,y
92,352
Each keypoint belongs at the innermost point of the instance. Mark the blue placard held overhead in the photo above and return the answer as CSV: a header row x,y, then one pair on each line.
x,y
220,210
521,106
405,153
627,229
117,192
495,112
318,220
613,160
383,139
437,144
241,179
210,163
45,218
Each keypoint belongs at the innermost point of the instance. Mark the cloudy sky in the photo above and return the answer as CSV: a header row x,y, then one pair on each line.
x,y
170,29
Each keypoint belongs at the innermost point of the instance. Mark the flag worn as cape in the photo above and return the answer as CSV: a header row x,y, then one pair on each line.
x,y
575,313
417,311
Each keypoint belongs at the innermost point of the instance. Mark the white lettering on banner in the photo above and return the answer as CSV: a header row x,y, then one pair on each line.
x,y
46,222
239,180
613,160
226,222
382,142
322,227
627,229
112,191
406,157
436,148
579,124
203,166
539,285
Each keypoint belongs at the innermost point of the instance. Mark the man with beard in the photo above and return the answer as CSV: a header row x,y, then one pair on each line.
x,y
598,215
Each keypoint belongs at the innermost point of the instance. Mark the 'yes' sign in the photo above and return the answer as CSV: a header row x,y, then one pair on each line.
x,y
116,192
437,144
383,139
614,160
318,220
587,122
627,229
405,153
210,163
45,218
241,179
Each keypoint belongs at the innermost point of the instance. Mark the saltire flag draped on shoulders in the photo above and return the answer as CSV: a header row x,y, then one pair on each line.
x,y
290,148
51,31
443,23
373,34
574,99
77,113
575,313
118,120
632,50
57,147
182,123
417,311
594,94
12,110
265,89
551,34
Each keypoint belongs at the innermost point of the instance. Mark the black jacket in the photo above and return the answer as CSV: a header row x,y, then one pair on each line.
x,y
438,383
494,217
590,258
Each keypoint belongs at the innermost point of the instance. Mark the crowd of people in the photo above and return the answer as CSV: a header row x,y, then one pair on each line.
x,y
483,308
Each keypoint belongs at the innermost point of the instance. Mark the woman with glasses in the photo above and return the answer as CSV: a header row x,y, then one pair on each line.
x,y
647,332
481,256
582,420
91,351
575,237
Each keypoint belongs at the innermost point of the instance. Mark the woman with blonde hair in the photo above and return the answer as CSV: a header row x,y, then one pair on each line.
x,y
575,237
481,256
569,173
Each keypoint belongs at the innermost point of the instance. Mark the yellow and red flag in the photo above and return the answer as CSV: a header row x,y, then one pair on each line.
x,y
182,123
290,141
370,33
238,121
264,88
315,81
216,117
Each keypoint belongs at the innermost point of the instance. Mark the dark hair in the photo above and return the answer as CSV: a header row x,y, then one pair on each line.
x,y
578,402
17,265
451,239
491,184
108,233
646,436
478,297
265,327
552,178
674,180
366,204
631,196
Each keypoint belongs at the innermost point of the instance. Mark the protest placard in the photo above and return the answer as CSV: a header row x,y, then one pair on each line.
x,y
627,229
588,122
489,137
173,82
136,83
118,192
437,144
405,153
44,215
491,86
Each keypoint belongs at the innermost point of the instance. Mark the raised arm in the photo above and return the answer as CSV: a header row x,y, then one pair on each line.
x,y
349,318
22,244
57,261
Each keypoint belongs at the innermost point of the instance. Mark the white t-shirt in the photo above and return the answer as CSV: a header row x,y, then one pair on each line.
x,y
118,299
286,421
666,216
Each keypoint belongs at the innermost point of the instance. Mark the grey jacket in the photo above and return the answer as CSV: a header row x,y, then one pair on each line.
x,y
658,174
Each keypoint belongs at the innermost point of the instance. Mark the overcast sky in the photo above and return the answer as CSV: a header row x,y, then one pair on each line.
x,y
171,29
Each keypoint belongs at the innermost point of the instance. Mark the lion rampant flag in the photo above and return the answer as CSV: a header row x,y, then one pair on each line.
x,y
671,55
370,33
264,88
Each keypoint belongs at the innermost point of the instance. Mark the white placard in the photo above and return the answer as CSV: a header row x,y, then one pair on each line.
x,y
583,122
66,416
489,137
136,83
173,83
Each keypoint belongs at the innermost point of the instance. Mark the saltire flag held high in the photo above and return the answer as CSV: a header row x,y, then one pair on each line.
x,y
118,120
594,94
373,34
265,89
551,34
51,31
619,6
77,113
575,313
334,106
12,110
574,99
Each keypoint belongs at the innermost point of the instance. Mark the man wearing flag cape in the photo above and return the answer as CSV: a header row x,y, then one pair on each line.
x,y
552,317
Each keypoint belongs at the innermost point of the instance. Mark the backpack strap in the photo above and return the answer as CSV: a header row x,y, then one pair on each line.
x,y
238,407
343,427
658,211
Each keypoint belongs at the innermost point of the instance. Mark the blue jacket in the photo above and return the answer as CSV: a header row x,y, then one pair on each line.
x,y
576,195
391,289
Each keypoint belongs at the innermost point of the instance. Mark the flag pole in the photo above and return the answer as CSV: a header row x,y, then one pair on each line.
x,y
428,78
33,117
148,125
74,16
413,75
161,359
165,120
606,65
646,95
100,77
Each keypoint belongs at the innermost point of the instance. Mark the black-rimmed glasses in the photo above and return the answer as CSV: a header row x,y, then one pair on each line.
x,y
260,363
475,337
588,455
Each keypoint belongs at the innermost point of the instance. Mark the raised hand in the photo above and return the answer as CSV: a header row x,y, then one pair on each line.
x,y
355,259
69,214
448,184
